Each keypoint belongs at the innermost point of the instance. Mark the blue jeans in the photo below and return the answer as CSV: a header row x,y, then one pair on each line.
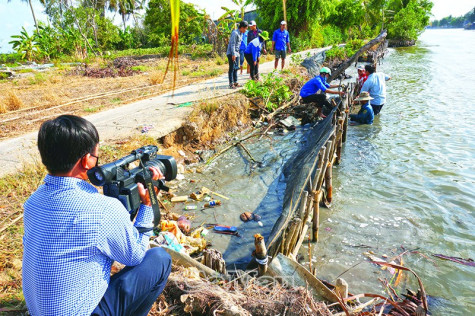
x,y
133,290
233,68
241,57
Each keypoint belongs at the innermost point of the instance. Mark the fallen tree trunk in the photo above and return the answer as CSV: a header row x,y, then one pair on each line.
x,y
381,37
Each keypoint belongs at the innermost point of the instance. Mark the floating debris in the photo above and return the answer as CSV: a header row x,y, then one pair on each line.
x,y
467,262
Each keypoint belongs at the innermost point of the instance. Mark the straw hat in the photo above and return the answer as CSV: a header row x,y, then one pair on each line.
x,y
364,96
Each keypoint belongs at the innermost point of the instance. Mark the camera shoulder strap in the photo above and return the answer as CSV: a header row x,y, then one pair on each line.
x,y
153,196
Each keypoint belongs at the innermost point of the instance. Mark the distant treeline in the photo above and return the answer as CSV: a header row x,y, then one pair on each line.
x,y
78,30
455,22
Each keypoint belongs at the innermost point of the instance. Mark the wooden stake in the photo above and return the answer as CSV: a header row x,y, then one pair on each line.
x,y
299,242
303,205
316,215
296,227
328,182
261,254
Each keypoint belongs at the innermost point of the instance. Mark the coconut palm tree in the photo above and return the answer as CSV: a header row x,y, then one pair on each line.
x,y
33,12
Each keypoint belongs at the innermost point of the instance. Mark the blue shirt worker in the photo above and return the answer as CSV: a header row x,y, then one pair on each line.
x,y
365,114
280,44
73,234
233,53
242,48
376,86
314,90
253,53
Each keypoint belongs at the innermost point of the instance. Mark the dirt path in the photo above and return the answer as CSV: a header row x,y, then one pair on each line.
x,y
162,112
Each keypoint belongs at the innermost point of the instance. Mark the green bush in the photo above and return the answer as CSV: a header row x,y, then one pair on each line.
x,y
336,52
157,21
332,35
271,89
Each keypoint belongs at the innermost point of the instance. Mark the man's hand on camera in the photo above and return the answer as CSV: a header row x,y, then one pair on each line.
x,y
143,193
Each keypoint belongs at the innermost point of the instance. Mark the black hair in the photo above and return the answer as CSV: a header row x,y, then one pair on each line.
x,y
243,24
370,68
65,140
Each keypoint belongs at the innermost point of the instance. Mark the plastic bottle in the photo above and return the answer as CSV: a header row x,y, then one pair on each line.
x,y
190,207
212,203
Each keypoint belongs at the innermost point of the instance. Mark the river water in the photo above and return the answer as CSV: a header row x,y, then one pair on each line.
x,y
408,180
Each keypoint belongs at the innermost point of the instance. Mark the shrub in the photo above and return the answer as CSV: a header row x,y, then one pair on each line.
x,y
271,89
13,102
336,52
219,60
332,35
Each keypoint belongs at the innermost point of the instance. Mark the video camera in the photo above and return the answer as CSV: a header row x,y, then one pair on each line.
x,y
118,181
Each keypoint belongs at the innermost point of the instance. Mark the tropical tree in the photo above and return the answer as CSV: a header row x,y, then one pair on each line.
x,y
33,12
347,14
157,21
301,14
410,18
26,45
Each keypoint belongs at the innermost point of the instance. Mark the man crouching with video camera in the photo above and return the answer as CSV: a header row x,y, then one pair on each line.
x,y
73,234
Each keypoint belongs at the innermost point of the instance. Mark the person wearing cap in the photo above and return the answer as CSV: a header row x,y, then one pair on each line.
x,y
253,53
233,53
316,88
376,86
362,76
365,114
280,44
253,33
242,48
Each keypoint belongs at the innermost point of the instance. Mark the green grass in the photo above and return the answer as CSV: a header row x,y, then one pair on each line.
x,y
209,107
97,108
116,100
202,73
38,78
24,71
140,68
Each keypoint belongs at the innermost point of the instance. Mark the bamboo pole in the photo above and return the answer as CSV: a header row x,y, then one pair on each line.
x,y
261,254
316,215
296,227
289,235
339,147
328,182
303,205
341,288
299,241
318,184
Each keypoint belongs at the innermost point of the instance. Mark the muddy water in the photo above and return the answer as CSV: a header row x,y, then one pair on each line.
x,y
256,187
409,179
406,182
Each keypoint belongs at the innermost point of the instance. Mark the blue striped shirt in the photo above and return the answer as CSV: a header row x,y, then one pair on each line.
x,y
72,236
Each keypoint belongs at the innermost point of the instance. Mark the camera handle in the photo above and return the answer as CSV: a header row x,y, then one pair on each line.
x,y
153,200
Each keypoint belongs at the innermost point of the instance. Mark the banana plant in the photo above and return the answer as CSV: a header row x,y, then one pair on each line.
x,y
26,45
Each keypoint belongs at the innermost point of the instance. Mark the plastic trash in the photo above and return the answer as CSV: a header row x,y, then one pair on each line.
x,y
212,203
190,207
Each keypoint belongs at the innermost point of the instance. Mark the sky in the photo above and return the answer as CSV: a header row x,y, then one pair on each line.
x,y
15,14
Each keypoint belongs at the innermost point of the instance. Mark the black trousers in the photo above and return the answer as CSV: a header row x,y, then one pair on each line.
x,y
377,108
319,99
254,68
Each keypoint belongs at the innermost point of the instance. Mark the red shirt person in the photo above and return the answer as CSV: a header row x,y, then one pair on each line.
x,y
362,75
